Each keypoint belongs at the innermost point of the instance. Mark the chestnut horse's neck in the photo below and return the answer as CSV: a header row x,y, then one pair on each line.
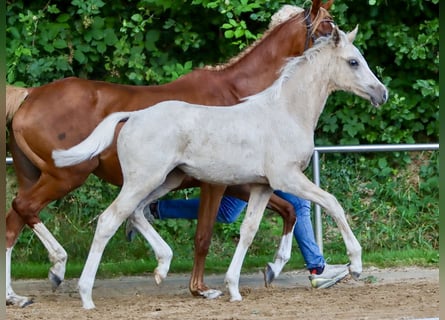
x,y
258,67
252,71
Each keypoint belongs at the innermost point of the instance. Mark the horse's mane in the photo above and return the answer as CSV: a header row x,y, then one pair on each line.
x,y
287,14
290,68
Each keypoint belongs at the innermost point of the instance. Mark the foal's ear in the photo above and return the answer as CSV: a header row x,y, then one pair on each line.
x,y
351,35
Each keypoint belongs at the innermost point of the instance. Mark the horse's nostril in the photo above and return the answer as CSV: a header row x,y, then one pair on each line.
x,y
385,96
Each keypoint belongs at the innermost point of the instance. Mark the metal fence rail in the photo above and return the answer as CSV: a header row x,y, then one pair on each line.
x,y
357,149
345,149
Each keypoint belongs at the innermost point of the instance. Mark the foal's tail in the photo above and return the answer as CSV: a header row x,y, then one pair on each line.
x,y
14,99
94,144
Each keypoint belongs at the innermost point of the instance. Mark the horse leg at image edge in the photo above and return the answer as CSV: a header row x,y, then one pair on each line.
x,y
56,253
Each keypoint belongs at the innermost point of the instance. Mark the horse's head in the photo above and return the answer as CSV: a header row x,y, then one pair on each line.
x,y
318,20
352,72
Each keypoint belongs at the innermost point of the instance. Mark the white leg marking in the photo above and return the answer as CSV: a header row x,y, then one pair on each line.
x,y
11,297
283,254
56,253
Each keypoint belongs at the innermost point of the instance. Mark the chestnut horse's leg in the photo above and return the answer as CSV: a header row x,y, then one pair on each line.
x,y
259,196
14,225
35,191
210,199
26,212
287,212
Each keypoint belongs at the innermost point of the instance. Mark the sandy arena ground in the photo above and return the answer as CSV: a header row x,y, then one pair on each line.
x,y
403,293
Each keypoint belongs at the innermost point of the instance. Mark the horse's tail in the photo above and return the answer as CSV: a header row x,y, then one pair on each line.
x,y
14,99
95,143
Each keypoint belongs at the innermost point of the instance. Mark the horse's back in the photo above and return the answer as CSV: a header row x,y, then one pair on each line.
x,y
206,143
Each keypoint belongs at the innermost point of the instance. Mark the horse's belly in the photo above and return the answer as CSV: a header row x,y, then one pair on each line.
x,y
224,174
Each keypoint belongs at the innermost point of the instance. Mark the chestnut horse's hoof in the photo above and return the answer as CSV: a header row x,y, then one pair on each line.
x,y
269,275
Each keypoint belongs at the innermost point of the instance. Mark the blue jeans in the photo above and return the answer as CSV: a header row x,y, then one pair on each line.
x,y
231,208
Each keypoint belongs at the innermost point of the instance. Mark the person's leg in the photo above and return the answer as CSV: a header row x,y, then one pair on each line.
x,y
323,275
304,233
229,209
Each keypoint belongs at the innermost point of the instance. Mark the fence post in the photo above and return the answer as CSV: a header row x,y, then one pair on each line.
x,y
317,208
356,149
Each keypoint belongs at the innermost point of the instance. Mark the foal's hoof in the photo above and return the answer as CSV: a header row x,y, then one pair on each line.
x,y
355,275
269,275
27,303
20,301
54,279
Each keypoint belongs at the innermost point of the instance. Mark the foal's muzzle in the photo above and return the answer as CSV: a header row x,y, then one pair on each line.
x,y
379,96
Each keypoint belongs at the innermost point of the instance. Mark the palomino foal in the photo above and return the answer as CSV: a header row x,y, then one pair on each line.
x,y
273,132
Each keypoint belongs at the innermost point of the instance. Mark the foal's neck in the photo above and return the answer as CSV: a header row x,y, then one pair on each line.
x,y
307,90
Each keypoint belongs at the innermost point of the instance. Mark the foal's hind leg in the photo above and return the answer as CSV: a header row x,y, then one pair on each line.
x,y
107,225
162,250
130,200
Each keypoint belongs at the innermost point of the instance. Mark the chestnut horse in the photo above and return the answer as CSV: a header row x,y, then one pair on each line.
x,y
272,131
64,112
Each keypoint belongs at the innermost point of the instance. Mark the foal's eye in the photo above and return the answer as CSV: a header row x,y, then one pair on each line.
x,y
353,63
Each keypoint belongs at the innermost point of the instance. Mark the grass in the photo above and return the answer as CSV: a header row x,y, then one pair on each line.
x,y
380,259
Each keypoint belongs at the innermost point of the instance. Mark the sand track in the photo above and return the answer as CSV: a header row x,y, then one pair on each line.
x,y
403,293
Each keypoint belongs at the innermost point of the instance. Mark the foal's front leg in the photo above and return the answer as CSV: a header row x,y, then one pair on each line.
x,y
286,210
259,196
302,187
